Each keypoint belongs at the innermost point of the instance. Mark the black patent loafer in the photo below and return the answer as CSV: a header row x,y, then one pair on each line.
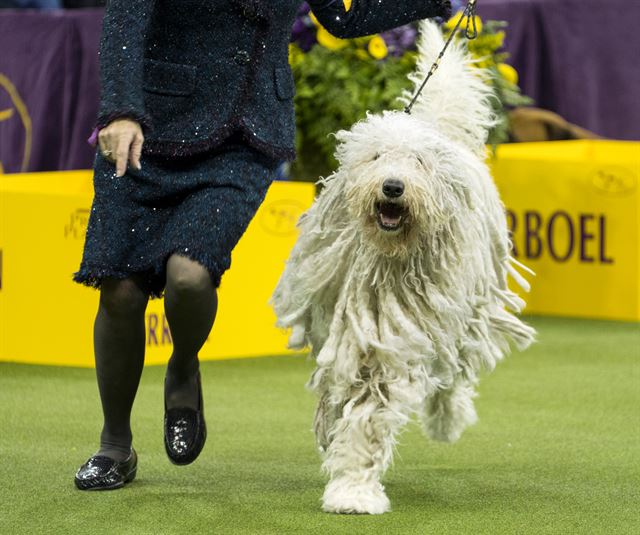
x,y
103,473
185,431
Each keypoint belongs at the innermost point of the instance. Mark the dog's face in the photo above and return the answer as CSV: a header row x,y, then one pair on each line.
x,y
401,179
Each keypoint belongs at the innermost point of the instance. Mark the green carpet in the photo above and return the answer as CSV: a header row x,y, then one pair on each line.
x,y
556,451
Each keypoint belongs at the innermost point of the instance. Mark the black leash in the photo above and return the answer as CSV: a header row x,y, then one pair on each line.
x,y
471,32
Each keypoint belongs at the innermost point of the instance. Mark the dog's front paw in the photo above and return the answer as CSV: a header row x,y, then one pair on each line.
x,y
346,496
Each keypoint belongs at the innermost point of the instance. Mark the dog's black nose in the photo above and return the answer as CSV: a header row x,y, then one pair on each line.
x,y
392,188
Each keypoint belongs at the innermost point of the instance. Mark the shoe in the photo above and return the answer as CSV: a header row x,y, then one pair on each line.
x,y
103,473
185,431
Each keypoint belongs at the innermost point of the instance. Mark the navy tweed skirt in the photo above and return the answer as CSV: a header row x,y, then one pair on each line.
x,y
197,206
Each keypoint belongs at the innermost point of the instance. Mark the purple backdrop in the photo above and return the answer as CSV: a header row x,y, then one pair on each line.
x,y
48,60
575,57
578,58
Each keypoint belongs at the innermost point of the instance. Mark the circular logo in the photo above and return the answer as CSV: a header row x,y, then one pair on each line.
x,y
614,180
279,218
12,109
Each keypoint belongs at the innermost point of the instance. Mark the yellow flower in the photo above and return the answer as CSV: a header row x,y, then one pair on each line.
x,y
508,73
453,21
361,54
329,41
478,22
347,4
489,42
296,55
377,47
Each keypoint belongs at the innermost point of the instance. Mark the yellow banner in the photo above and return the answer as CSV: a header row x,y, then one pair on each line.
x,y
573,209
46,318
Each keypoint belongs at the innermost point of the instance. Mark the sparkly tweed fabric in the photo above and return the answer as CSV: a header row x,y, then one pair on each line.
x,y
198,207
193,71
210,83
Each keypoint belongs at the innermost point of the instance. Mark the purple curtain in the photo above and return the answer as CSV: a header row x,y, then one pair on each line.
x,y
49,88
578,58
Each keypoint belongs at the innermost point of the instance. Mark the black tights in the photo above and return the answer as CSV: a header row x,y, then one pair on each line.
x,y
190,303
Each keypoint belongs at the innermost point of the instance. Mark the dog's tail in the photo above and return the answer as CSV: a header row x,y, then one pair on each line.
x,y
458,96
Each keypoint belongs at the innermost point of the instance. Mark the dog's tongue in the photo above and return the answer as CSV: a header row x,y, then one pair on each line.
x,y
389,220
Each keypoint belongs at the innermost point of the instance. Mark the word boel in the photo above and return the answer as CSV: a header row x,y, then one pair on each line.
x,y
560,235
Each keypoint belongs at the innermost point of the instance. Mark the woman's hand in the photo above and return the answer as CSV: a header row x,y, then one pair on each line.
x,y
121,142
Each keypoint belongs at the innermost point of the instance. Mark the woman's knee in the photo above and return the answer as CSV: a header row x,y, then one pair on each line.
x,y
123,296
187,276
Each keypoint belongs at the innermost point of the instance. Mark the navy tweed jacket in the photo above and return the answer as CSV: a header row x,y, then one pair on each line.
x,y
191,72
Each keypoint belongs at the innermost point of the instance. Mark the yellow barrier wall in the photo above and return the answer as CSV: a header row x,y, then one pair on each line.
x,y
46,318
573,208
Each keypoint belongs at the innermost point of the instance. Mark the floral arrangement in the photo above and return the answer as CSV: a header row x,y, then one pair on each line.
x,y
338,81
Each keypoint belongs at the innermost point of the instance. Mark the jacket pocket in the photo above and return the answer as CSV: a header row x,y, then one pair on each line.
x,y
285,85
164,78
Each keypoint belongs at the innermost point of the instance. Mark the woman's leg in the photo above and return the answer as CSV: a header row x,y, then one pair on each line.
x,y
119,342
190,303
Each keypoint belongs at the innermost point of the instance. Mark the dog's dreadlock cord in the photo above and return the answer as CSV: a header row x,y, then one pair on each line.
x,y
471,32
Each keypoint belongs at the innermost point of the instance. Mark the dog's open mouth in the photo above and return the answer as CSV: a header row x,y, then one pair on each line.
x,y
390,215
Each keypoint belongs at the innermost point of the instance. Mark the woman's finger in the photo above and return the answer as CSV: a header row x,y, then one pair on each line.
x,y
104,141
136,150
122,153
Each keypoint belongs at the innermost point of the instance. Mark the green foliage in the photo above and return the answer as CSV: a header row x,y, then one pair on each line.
x,y
335,90
336,87
508,96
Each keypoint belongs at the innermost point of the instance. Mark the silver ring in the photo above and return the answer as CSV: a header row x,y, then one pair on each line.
x,y
107,152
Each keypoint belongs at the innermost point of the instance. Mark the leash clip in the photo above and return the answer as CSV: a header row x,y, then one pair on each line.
x,y
471,20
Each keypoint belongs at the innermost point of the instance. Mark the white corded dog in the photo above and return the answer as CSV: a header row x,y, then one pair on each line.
x,y
398,281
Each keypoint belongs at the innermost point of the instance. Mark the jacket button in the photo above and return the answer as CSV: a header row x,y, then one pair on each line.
x,y
242,57
249,14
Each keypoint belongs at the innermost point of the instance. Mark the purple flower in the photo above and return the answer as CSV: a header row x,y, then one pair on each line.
x,y
304,31
401,39
458,5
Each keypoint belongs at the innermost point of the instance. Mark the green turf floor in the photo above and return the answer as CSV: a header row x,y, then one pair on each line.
x,y
556,451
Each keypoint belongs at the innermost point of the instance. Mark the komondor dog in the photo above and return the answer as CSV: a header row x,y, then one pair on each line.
x,y
398,281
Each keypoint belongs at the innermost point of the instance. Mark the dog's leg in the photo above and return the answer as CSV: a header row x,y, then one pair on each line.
x,y
358,454
361,449
324,420
449,412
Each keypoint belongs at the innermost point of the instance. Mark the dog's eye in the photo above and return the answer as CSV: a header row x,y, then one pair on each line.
x,y
376,156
